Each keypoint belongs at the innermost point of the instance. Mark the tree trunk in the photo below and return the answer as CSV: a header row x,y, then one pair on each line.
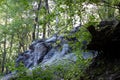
x,y
44,32
4,54
11,44
46,24
36,24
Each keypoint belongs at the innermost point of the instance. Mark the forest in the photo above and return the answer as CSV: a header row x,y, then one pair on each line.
x,y
59,39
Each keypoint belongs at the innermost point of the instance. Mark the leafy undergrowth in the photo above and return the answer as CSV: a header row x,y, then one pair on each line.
x,y
66,71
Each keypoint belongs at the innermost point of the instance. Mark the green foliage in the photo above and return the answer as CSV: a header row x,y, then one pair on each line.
x,y
65,70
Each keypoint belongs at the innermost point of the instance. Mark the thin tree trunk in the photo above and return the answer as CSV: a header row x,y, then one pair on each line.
x,y
44,31
11,44
4,45
4,54
47,6
19,44
36,24
46,24
33,34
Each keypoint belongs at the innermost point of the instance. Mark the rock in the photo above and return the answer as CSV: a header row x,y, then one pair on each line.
x,y
90,54
46,53
39,53
49,55
52,39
